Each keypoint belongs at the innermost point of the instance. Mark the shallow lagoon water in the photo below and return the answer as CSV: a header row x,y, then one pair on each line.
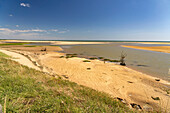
x,y
150,62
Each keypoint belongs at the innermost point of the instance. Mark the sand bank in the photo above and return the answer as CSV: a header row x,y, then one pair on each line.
x,y
154,42
57,42
116,80
165,49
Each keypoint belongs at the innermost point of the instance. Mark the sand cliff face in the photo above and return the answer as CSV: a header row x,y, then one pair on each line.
x,y
116,80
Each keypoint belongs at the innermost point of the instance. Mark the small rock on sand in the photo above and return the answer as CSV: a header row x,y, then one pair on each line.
x,y
129,82
121,100
147,107
65,76
155,98
136,106
157,79
88,68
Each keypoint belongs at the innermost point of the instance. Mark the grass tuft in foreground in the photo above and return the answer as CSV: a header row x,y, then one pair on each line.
x,y
28,90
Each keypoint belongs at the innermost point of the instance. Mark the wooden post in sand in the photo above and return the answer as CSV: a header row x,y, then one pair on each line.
x,y
122,57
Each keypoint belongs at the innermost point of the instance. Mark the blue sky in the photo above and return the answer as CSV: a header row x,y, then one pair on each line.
x,y
85,19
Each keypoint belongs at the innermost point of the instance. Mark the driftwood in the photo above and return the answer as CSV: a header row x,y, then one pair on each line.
x,y
122,59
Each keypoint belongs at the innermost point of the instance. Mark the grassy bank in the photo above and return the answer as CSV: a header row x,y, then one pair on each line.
x,y
26,90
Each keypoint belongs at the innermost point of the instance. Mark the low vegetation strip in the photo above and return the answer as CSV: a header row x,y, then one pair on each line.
x,y
7,44
23,89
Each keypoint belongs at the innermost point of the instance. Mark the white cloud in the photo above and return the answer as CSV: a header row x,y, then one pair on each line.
x,y
25,4
5,30
38,30
21,31
11,15
65,31
7,33
21,36
55,30
29,33
32,36
62,32
30,30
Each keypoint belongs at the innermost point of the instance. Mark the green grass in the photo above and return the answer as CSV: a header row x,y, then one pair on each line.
x,y
30,46
4,55
109,60
61,56
114,60
92,58
100,57
7,44
28,90
71,55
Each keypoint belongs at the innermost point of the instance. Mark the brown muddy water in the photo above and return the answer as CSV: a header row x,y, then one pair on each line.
x,y
156,64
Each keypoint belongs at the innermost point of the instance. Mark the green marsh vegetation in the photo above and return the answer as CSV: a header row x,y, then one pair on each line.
x,y
92,58
109,60
8,44
104,59
26,90
71,55
31,46
86,61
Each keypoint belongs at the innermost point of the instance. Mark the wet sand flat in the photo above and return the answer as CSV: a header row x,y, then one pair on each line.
x,y
149,62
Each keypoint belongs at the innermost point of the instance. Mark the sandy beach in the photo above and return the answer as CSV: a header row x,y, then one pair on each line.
x,y
118,81
165,49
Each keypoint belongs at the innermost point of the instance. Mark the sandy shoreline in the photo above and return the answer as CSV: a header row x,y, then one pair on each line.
x,y
164,49
116,80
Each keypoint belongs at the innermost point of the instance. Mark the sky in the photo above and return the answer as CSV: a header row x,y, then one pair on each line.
x,y
141,20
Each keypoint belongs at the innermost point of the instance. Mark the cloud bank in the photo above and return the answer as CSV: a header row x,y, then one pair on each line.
x,y
6,33
31,30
